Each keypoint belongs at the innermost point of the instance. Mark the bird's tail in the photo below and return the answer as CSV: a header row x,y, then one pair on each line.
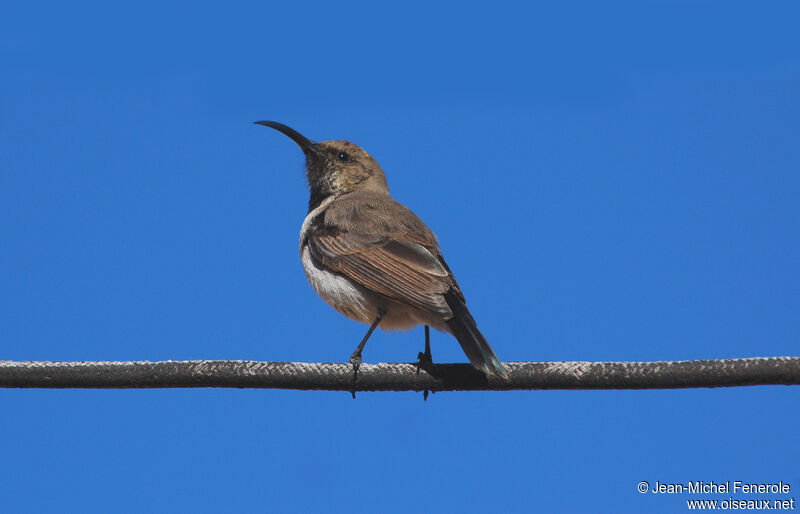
x,y
463,327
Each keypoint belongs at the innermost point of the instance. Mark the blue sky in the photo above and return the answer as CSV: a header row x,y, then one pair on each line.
x,y
608,182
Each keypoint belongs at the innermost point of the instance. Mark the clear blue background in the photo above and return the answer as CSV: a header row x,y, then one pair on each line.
x,y
612,182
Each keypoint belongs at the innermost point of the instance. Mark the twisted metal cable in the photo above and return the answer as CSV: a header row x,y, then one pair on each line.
x,y
401,377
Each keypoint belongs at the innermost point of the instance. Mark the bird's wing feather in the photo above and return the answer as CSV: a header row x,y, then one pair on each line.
x,y
386,248
399,269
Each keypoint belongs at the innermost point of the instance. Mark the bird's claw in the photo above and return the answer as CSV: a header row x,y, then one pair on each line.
x,y
355,361
424,361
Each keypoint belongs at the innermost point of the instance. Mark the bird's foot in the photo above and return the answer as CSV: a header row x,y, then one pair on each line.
x,y
425,360
355,361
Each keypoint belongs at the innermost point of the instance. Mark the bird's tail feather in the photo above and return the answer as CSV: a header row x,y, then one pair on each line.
x,y
463,327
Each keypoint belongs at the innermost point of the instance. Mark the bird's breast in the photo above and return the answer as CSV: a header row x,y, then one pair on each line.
x,y
339,292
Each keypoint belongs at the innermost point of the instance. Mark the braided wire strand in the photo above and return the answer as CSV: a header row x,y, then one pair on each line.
x,y
400,376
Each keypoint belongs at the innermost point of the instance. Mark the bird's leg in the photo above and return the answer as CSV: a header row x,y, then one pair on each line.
x,y
355,358
424,360
428,355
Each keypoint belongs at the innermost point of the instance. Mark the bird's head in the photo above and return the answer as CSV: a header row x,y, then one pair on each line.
x,y
334,168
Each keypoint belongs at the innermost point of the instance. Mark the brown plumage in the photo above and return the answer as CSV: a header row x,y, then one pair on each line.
x,y
380,252
371,258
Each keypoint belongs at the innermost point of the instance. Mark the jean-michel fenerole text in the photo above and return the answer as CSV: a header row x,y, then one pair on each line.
x,y
727,487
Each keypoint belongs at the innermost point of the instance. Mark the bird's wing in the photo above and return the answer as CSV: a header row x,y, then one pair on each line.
x,y
401,270
400,264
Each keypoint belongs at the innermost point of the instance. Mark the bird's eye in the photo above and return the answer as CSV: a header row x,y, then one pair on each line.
x,y
343,156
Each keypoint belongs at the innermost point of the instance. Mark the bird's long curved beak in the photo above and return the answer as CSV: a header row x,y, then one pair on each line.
x,y
309,147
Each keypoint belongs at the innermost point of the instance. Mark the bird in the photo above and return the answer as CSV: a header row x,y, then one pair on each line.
x,y
372,259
